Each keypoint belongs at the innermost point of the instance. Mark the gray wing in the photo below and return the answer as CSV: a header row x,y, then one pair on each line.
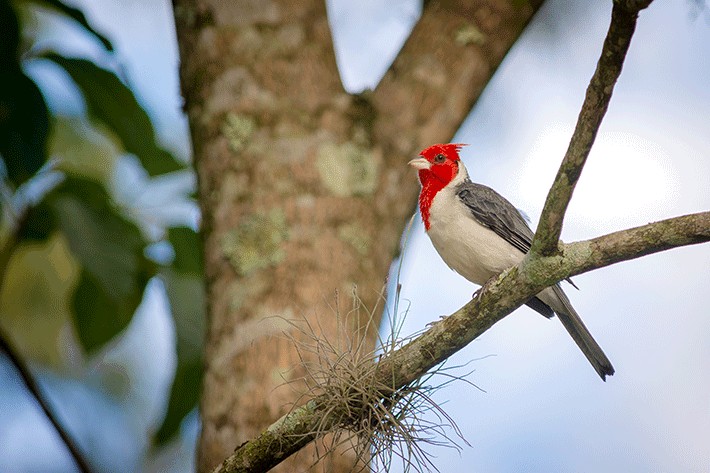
x,y
493,211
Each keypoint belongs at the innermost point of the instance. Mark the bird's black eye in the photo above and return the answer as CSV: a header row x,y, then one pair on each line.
x,y
439,158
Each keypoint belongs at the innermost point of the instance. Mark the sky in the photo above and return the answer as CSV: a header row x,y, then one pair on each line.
x,y
542,408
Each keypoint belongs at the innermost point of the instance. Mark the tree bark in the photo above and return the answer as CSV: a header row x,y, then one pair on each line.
x,y
303,188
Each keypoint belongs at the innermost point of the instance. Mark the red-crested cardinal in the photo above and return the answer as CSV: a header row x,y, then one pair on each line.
x,y
478,233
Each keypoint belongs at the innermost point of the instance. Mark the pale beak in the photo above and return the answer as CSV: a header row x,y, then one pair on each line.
x,y
420,163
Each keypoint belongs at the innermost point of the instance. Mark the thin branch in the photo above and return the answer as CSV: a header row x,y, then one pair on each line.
x,y
633,5
637,242
7,249
499,297
623,23
283,438
34,389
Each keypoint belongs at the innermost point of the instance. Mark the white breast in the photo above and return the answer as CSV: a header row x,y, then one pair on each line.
x,y
472,250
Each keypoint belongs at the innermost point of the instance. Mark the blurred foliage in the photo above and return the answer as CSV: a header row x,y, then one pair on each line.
x,y
112,103
185,289
76,15
34,301
110,251
73,261
24,118
83,149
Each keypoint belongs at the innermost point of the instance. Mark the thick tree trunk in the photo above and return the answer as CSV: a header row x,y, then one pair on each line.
x,y
303,188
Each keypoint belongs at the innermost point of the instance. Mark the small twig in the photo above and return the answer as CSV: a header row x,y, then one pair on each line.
x,y
596,102
34,389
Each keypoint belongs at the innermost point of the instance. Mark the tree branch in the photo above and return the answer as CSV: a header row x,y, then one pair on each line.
x,y
283,438
596,102
441,70
499,297
35,391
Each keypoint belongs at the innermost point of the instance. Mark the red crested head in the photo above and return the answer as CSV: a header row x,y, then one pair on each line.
x,y
438,165
450,150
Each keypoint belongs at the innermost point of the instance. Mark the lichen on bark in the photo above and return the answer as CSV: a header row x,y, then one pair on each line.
x,y
256,243
348,169
237,129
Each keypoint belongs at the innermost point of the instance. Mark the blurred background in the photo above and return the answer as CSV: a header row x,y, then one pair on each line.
x,y
541,408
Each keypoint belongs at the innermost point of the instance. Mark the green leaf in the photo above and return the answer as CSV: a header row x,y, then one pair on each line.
x,y
183,398
24,125
9,37
78,16
98,316
110,251
81,149
187,300
187,245
38,224
24,118
35,300
112,102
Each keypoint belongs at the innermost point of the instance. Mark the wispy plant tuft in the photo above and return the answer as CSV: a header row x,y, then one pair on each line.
x,y
379,423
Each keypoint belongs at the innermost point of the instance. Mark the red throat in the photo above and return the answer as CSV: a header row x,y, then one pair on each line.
x,y
441,168
433,180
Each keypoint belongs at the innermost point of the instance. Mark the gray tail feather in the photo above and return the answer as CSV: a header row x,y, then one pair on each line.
x,y
580,334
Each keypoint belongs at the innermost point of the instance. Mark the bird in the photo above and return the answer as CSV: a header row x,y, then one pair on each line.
x,y
479,233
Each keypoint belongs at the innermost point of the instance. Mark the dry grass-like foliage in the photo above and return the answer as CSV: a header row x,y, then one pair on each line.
x,y
378,423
